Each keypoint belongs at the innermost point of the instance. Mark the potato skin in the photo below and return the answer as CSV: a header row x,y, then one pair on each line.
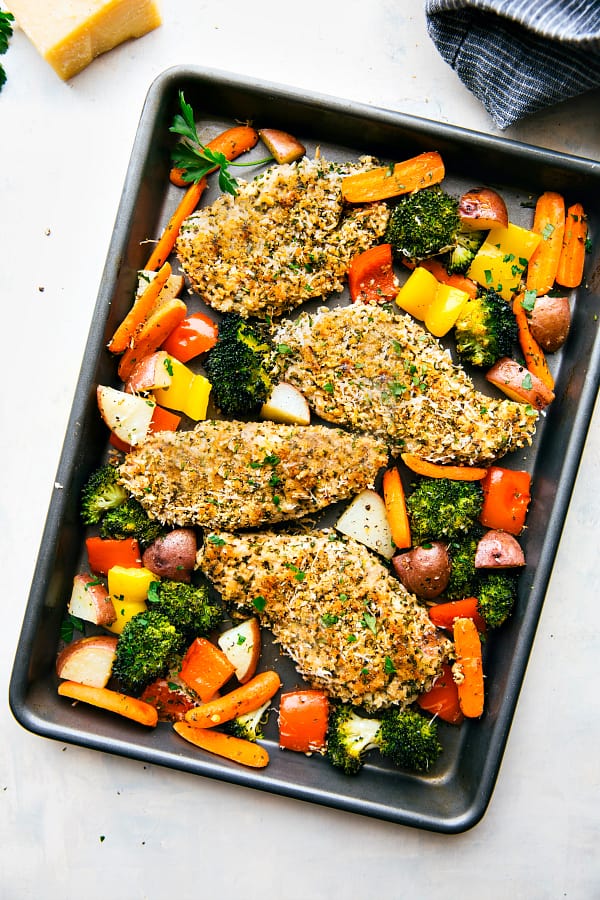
x,y
550,321
173,555
498,550
424,571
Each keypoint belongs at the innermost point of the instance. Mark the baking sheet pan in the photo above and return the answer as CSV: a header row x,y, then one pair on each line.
x,y
455,795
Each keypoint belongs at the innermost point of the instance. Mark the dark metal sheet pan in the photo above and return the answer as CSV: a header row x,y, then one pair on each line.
x,y
456,795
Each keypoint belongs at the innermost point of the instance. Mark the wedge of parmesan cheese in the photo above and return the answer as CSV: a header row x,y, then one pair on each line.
x,y
69,34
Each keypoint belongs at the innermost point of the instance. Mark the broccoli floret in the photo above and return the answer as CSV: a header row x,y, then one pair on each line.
x,y
406,736
189,607
130,520
349,737
486,330
443,509
146,649
497,593
409,739
100,493
423,223
250,725
458,260
237,365
464,577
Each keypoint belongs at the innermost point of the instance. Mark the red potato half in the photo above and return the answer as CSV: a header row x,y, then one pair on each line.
x,y
550,322
150,373
286,404
127,415
424,571
498,550
241,646
90,601
88,660
482,208
173,555
519,383
283,146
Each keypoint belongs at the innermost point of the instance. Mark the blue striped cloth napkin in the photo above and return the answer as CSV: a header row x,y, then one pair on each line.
x,y
519,56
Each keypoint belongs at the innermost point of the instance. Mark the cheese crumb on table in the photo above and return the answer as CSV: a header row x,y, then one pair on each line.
x,y
69,34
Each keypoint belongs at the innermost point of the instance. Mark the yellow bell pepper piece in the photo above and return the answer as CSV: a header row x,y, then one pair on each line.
x,y
417,292
444,310
174,396
130,584
196,402
125,610
187,393
501,260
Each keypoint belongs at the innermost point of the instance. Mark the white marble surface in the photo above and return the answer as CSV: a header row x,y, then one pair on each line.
x,y
64,150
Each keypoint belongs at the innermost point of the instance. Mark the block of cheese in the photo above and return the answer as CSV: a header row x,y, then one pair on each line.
x,y
69,34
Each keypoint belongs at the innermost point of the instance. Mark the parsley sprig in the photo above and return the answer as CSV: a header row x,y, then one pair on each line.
x,y
6,20
195,158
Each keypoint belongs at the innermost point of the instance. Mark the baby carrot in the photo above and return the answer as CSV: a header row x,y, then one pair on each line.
x,y
236,703
140,311
239,750
549,222
390,181
468,668
434,470
572,256
535,359
152,333
113,701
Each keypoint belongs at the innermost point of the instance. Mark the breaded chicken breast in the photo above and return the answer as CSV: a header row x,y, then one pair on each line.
x,y
349,625
245,474
365,368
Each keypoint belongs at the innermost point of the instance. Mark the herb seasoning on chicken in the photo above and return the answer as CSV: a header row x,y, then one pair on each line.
x,y
365,368
234,475
286,237
351,628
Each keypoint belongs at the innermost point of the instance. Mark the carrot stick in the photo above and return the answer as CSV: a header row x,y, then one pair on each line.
x,y
395,504
236,703
434,470
140,311
534,355
113,701
572,255
455,280
549,222
468,668
151,335
245,752
390,181
231,143
205,668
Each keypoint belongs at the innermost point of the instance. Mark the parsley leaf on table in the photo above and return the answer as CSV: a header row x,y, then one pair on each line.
x,y
6,20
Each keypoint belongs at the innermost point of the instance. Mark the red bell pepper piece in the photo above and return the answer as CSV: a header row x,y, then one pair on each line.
x,y
506,498
444,614
194,335
303,720
442,699
371,277
104,553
